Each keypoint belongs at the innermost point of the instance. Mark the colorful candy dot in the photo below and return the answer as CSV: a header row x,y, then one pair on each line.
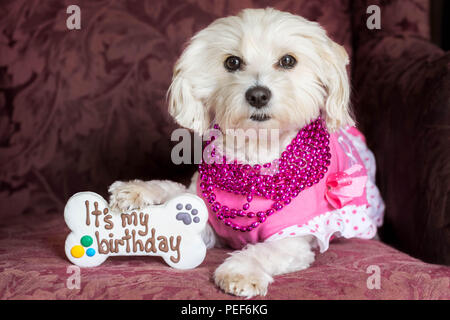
x,y
77,251
90,252
86,241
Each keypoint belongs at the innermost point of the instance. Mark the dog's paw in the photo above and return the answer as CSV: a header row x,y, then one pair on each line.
x,y
242,280
133,195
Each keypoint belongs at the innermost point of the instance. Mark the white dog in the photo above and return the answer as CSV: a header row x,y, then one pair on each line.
x,y
264,69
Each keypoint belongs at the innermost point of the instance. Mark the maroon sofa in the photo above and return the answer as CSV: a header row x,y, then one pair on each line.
x,y
80,109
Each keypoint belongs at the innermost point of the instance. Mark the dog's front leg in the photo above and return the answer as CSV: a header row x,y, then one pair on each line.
x,y
249,272
137,194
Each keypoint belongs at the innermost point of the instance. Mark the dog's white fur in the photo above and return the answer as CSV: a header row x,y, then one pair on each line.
x,y
203,92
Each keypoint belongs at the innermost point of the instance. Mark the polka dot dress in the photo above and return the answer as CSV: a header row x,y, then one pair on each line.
x,y
351,220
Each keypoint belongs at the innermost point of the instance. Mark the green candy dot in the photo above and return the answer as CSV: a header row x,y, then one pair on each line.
x,y
86,241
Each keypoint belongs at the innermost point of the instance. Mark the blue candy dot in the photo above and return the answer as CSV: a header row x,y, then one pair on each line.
x,y
90,252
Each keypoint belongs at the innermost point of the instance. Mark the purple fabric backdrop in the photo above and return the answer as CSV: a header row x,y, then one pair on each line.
x,y
401,93
83,108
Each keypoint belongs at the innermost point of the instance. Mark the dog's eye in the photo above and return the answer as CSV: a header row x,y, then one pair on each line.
x,y
287,61
233,63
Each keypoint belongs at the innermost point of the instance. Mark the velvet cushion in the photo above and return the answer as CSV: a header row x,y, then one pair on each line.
x,y
33,266
403,87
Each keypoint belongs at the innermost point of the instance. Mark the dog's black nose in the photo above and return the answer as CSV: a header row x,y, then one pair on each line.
x,y
258,96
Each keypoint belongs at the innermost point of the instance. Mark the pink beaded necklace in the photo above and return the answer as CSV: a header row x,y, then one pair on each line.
x,y
303,164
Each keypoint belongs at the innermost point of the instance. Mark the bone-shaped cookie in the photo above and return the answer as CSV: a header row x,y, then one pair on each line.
x,y
171,230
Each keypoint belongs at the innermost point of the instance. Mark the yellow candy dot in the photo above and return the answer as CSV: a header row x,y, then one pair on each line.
x,y
77,251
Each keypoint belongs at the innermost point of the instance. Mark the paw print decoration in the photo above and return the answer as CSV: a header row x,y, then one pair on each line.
x,y
171,231
186,217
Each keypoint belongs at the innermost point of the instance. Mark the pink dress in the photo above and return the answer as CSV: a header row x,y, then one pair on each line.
x,y
315,210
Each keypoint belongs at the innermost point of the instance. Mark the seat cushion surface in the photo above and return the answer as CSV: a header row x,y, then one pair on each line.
x,y
33,266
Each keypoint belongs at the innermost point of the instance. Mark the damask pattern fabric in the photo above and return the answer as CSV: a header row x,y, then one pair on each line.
x,y
83,108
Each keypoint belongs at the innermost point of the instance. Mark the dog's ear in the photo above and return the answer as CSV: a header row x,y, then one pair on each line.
x,y
187,109
337,109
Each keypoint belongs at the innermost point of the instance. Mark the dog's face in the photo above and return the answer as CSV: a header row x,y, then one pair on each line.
x,y
261,69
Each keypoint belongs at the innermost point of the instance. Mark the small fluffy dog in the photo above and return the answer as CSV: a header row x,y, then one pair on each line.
x,y
267,69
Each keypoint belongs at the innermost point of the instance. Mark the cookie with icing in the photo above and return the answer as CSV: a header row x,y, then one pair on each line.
x,y
171,231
